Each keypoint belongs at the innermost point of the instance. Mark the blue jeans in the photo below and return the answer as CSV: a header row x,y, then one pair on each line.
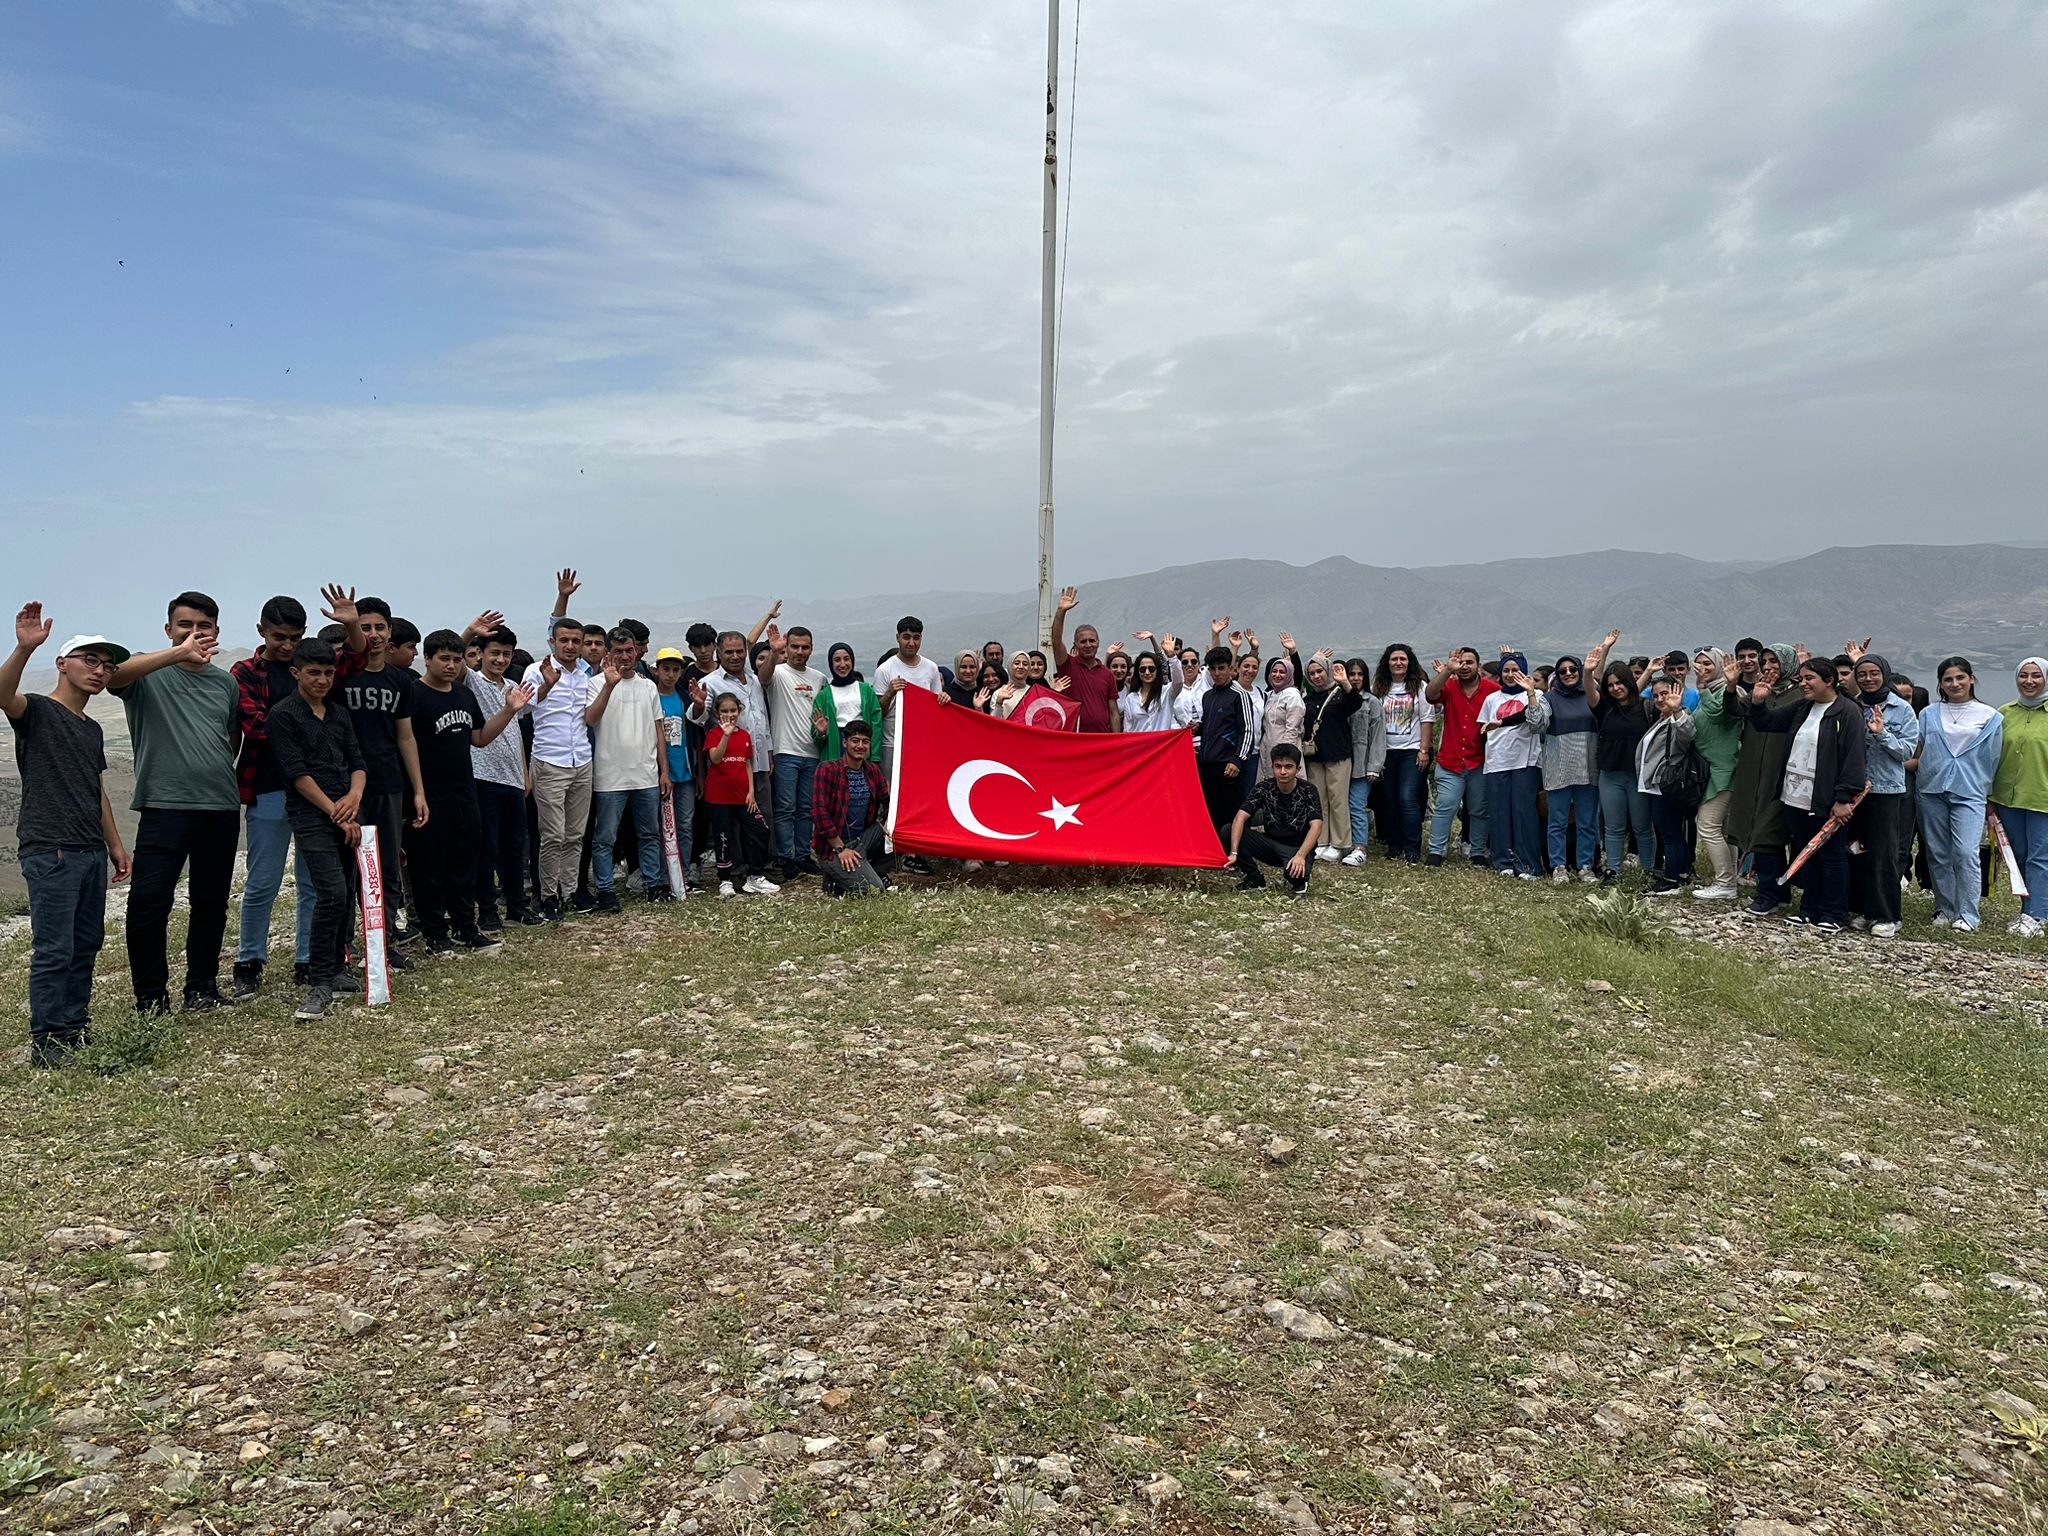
x,y
2027,831
1952,832
1451,788
1579,803
67,919
611,809
269,835
1359,799
683,796
1517,839
1622,806
1403,799
1675,852
793,775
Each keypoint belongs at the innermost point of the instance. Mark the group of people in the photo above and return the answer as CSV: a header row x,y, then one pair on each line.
x,y
504,786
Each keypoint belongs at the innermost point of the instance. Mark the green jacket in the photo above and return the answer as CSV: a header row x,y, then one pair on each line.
x,y
828,738
1717,732
2022,779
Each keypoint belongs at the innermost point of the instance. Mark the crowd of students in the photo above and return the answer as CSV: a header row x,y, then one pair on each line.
x,y
506,787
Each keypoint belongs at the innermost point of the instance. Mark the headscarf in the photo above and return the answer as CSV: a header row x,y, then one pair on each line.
x,y
1788,662
1719,658
1884,690
1571,711
1287,693
1521,665
2040,698
836,647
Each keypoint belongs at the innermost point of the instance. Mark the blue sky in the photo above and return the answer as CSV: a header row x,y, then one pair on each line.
x,y
705,299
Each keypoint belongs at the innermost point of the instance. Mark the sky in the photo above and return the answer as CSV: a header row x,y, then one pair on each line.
x,y
435,296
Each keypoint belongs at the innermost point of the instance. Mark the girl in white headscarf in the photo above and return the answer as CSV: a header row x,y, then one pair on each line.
x,y
2019,792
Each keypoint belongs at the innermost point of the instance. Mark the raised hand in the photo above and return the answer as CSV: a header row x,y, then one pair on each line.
x,y
485,622
614,670
1217,626
518,696
1143,634
197,647
31,629
1168,643
1237,637
1286,641
697,693
1061,683
774,637
1440,668
1116,648
550,674
340,604
1612,636
775,610
1877,722
1800,654
1731,670
566,585
1323,655
982,696
1251,639
1592,663
1854,651
1760,694
1070,597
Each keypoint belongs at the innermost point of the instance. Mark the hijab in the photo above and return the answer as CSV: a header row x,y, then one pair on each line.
x,y
2040,698
1788,666
1521,665
852,676
1884,690
1571,712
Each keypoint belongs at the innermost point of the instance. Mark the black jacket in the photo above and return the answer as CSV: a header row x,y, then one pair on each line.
x,y
1838,769
1328,726
1226,726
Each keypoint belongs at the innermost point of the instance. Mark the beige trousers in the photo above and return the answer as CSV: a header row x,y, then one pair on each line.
x,y
561,798
1333,786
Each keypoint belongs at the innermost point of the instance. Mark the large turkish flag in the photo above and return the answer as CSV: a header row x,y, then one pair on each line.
x,y
969,786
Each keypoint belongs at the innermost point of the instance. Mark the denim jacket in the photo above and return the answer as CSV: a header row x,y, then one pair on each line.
x,y
1885,757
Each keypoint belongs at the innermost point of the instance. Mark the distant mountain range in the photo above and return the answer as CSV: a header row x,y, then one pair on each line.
x,y
1918,602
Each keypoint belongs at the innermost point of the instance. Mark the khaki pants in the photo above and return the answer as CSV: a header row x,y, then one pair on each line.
x,y
1333,787
561,796
1713,822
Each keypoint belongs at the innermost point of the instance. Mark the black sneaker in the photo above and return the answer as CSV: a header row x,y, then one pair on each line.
x,y
158,1007
203,1000
318,1001
1434,861
607,903
1825,927
1760,909
582,905
489,921
476,938
916,864
247,980
526,917
52,1052
551,909
1297,891
658,893
443,946
345,982
1248,884
1799,920
401,934
395,959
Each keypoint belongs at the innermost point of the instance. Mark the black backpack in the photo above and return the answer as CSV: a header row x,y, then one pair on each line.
x,y
1683,779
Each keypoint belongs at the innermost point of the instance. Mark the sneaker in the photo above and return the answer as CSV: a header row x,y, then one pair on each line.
x,y
1667,888
1249,884
1942,919
490,922
1507,870
760,885
582,904
1590,875
1523,874
317,1002
1479,861
1828,928
659,893
917,864
403,933
203,1000
443,946
972,866
1716,892
1326,855
53,1051
1560,876
476,938
1798,919
1965,925
1884,930
344,981
551,910
1434,861
1297,892
247,980
157,1007
2025,925
1354,858
1859,922
529,918
394,959
607,904
725,888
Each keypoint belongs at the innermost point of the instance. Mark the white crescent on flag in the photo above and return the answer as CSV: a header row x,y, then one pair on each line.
x,y
1045,713
960,793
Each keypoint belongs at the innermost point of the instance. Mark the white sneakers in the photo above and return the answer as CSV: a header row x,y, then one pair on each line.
x,y
760,885
725,888
1326,855
2026,927
1942,919
1884,930
1716,892
1859,922
1560,876
1354,858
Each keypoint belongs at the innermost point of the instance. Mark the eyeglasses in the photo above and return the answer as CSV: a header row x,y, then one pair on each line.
x,y
94,663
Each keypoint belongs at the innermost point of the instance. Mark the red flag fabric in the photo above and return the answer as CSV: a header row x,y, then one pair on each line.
x,y
1047,709
969,786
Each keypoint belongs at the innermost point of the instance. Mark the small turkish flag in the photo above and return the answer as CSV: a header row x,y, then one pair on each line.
x,y
1047,709
968,786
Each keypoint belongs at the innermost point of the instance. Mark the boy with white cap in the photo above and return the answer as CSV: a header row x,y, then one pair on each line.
x,y
66,829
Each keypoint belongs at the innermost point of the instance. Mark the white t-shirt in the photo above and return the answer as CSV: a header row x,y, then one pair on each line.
x,y
846,703
1804,763
1407,712
622,756
1512,746
923,673
791,696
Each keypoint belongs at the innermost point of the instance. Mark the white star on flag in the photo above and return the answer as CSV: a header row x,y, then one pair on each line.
x,y
1060,815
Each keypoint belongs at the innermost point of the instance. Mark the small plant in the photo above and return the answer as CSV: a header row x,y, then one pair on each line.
x,y
130,1043
20,1469
1616,913
2028,1431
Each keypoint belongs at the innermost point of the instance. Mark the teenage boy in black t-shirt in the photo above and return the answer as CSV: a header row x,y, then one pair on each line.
x,y
323,773
378,697
447,722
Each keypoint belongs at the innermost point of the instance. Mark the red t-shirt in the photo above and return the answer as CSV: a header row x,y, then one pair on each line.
x,y
1094,689
731,781
1457,746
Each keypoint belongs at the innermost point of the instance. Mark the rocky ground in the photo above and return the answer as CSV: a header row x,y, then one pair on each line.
x,y
1054,1205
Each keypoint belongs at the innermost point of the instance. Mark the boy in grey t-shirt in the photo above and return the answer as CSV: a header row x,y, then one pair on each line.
x,y
66,829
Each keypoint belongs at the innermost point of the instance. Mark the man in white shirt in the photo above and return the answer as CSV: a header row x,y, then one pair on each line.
x,y
906,669
561,762
793,690
629,766
732,677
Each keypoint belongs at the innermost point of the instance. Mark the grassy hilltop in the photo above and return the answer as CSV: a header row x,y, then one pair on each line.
x,y
1060,1206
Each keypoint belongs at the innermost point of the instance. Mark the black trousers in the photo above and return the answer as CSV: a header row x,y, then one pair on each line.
x,y
164,842
1255,848
1824,882
331,864
532,850
1222,794
1874,873
388,814
501,861
741,835
442,855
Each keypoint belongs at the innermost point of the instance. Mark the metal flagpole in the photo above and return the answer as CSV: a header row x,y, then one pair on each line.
x,y
1046,315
